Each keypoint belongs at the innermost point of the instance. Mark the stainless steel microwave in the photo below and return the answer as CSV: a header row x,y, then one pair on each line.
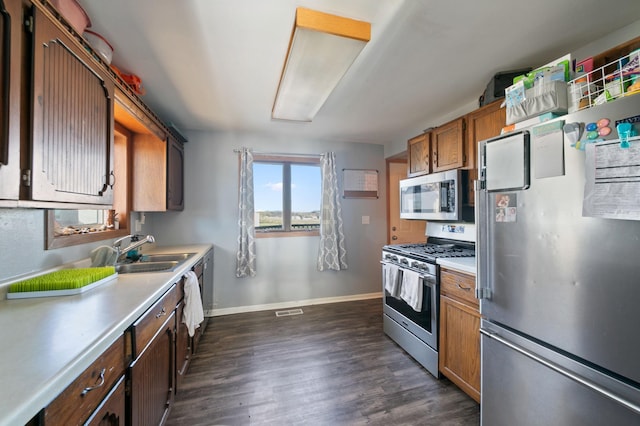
x,y
437,196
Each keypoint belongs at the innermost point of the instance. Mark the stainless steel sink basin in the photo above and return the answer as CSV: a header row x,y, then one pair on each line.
x,y
167,257
165,266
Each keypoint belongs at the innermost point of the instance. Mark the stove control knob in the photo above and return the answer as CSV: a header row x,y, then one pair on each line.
x,y
404,261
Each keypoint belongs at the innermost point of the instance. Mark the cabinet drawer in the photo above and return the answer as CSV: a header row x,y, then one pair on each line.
x,y
112,410
76,403
148,325
459,286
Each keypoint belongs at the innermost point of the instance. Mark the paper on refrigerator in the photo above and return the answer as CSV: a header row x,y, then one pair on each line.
x,y
612,187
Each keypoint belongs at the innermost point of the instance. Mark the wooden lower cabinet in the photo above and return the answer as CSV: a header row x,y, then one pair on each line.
x,y
152,379
152,372
112,410
80,399
183,346
459,355
134,381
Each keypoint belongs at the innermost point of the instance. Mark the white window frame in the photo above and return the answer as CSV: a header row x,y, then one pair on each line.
x,y
286,162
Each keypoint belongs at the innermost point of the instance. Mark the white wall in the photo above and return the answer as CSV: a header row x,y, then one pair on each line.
x,y
286,267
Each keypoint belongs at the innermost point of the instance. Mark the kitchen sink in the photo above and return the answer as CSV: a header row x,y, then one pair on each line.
x,y
165,262
165,266
168,257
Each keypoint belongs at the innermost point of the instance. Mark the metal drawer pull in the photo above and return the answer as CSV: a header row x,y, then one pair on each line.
x,y
161,313
559,369
90,388
463,288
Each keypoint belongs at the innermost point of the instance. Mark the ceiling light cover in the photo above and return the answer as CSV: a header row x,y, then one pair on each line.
x,y
321,50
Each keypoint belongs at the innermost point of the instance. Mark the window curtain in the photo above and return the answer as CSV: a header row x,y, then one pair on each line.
x,y
246,255
332,253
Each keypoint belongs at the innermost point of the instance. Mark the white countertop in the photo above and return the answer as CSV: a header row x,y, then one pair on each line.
x,y
463,264
47,342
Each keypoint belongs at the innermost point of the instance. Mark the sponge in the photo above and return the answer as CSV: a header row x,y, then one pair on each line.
x,y
65,281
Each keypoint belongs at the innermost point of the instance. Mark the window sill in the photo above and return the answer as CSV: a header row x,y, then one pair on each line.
x,y
278,234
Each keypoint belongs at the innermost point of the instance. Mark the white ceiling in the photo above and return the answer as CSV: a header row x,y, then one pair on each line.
x,y
215,64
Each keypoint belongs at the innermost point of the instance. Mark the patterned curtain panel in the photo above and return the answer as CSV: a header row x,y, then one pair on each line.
x,y
332,253
246,256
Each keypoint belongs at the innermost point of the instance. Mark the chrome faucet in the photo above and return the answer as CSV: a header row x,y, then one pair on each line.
x,y
135,242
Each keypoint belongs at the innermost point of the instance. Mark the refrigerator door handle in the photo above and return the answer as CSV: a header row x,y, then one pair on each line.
x,y
478,186
575,377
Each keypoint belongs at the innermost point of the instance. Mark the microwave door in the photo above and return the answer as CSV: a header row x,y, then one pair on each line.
x,y
431,197
419,200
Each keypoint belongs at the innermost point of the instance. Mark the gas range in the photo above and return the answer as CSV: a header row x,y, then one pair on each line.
x,y
433,249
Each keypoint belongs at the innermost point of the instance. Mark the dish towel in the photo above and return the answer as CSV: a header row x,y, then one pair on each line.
x,y
193,313
391,279
103,256
411,290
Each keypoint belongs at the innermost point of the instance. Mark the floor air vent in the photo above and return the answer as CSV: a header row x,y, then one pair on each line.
x,y
289,312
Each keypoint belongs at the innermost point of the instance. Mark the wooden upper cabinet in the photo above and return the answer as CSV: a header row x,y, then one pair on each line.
x,y
448,146
149,154
149,173
72,120
175,174
484,123
10,69
419,149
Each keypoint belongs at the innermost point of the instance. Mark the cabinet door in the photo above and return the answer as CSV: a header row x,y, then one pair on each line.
x,y
447,146
183,346
10,34
175,175
152,378
460,345
484,123
149,173
419,150
72,107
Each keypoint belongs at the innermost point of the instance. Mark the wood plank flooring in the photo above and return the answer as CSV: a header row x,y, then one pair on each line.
x,y
333,365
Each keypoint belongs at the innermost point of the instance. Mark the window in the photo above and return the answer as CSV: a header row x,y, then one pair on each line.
x,y
287,195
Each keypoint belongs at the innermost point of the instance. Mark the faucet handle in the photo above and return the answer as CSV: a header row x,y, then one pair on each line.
x,y
118,242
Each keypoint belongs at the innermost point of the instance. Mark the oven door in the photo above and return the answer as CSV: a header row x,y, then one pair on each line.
x,y
423,324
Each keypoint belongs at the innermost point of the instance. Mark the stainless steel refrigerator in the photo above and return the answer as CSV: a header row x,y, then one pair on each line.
x,y
558,255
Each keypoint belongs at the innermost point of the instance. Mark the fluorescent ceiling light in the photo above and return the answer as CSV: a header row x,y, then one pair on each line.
x,y
321,50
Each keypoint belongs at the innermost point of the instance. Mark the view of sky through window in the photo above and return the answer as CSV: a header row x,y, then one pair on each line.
x,y
305,187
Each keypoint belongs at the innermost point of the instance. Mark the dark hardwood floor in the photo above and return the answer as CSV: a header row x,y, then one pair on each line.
x,y
333,365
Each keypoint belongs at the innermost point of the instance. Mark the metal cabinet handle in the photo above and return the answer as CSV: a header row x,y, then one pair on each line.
x,y
394,238
559,369
463,288
99,385
163,312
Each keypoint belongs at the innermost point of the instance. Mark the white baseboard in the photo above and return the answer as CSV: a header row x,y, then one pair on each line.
x,y
292,304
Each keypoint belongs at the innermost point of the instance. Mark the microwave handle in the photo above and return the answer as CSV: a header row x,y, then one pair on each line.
x,y
446,188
